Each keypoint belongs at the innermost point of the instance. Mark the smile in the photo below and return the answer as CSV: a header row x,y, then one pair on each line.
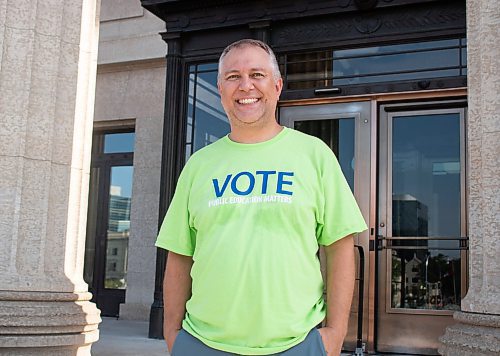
x,y
247,101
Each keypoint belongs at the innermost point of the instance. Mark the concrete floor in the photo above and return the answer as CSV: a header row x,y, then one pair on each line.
x,y
128,338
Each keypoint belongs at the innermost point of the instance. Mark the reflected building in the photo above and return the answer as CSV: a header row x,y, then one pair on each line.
x,y
409,219
409,216
118,236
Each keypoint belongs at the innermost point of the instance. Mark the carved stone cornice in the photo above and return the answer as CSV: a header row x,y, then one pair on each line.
x,y
447,17
211,14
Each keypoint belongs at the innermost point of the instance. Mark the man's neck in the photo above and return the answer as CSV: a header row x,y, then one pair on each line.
x,y
254,135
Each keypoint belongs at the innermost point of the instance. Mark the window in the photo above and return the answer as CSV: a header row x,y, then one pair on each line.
x,y
390,63
206,119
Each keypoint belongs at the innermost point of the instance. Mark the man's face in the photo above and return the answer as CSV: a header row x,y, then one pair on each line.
x,y
248,89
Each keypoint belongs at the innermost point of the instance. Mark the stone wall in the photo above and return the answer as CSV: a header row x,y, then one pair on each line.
x,y
136,91
48,57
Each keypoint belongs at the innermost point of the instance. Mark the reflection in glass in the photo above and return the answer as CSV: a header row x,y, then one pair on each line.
x,y
425,279
206,121
426,203
119,142
410,61
120,194
338,134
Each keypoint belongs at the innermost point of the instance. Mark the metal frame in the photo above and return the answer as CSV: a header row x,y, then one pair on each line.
x,y
388,198
459,67
386,208
364,181
108,299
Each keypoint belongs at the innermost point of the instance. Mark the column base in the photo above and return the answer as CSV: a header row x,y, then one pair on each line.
x,y
475,334
41,323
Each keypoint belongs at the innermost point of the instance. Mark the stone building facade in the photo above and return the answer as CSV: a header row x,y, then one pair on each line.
x,y
49,69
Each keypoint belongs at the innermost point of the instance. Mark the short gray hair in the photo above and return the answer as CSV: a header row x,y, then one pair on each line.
x,y
251,43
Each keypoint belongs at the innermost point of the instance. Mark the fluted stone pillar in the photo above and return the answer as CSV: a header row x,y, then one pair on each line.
x,y
478,328
48,51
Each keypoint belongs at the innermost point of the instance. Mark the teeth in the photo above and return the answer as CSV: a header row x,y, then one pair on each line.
x,y
248,101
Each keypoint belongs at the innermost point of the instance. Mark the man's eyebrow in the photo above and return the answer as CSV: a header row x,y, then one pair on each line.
x,y
256,69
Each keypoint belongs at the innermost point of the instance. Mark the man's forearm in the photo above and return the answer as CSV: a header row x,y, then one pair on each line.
x,y
340,277
340,280
176,291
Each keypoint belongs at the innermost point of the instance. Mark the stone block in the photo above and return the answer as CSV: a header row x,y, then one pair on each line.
x,y
142,259
110,95
135,311
10,191
47,322
71,21
146,179
32,216
21,15
130,93
49,17
42,98
144,219
476,334
58,202
141,288
120,9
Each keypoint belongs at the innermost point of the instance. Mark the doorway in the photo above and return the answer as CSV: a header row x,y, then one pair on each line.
x,y
405,166
347,129
108,222
422,240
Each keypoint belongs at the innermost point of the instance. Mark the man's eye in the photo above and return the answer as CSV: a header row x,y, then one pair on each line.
x,y
232,77
258,75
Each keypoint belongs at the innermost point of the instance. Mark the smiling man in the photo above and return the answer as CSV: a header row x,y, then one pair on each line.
x,y
244,227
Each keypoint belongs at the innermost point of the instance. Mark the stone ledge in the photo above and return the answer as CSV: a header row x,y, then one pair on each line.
x,y
47,323
476,334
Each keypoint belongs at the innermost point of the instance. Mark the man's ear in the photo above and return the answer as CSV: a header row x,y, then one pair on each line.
x,y
219,88
279,86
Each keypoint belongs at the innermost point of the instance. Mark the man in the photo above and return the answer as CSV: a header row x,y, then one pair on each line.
x,y
244,227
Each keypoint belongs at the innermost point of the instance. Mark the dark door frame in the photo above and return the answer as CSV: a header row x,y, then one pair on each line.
x,y
107,300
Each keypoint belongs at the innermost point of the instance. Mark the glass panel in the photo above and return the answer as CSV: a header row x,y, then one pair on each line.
x,y
207,121
426,202
92,220
208,67
397,77
406,47
307,70
120,194
191,99
411,61
396,62
338,134
426,175
426,279
119,142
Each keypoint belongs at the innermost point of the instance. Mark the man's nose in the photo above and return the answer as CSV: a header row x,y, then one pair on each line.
x,y
246,83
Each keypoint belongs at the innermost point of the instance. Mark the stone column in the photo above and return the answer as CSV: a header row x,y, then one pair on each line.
x,y
478,331
48,52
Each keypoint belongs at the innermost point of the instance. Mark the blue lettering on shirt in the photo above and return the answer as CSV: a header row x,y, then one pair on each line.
x,y
243,183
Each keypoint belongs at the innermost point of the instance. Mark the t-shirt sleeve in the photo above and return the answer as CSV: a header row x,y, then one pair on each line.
x,y
340,215
176,234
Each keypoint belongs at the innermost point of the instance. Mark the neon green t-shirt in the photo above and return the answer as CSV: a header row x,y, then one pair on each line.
x,y
252,216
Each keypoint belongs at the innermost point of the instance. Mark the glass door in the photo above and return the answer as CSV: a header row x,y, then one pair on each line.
x,y
108,223
346,129
422,242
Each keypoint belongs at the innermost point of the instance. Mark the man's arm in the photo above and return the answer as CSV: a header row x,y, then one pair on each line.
x,y
340,278
176,292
